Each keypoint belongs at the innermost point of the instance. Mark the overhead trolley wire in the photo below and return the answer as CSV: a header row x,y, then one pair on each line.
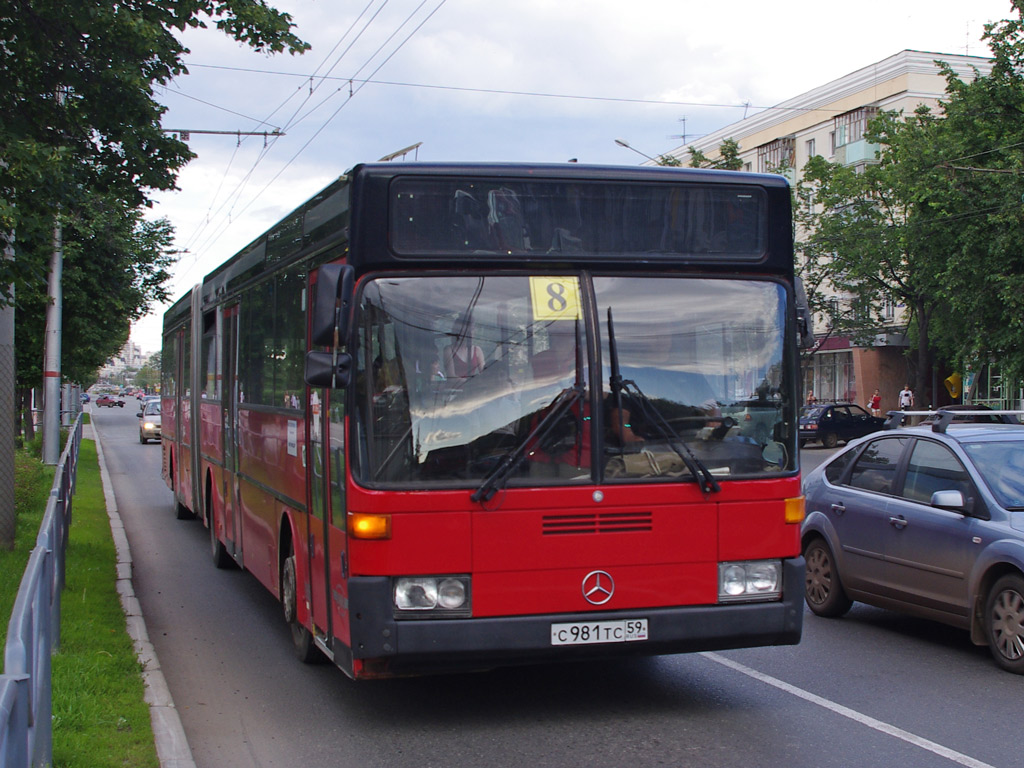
x,y
240,187
235,195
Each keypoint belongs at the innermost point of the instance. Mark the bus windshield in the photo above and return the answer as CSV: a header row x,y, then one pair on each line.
x,y
455,372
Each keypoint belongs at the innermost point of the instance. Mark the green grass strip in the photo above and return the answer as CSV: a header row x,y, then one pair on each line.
x,y
32,483
99,716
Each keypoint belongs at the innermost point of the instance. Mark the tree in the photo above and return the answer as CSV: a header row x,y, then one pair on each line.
x,y
980,193
873,235
116,264
148,376
938,223
81,143
728,157
76,99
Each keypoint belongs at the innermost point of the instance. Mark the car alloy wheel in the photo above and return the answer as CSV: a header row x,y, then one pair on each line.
x,y
1004,623
822,589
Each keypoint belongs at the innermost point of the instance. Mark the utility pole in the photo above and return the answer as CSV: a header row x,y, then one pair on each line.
x,y
51,353
52,339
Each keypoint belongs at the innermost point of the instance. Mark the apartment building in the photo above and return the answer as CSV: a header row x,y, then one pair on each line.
x,y
130,356
830,120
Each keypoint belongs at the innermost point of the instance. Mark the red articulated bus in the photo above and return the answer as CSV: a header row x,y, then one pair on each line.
x,y
459,416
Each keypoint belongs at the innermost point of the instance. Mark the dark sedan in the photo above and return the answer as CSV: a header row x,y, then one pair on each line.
x,y
928,521
834,422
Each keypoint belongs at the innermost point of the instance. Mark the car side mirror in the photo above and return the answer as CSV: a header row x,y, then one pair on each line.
x,y
139,414
951,500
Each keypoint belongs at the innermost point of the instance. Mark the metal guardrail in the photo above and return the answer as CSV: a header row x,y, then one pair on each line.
x,y
33,634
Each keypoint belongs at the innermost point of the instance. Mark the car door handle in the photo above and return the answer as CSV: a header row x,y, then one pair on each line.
x,y
838,508
898,522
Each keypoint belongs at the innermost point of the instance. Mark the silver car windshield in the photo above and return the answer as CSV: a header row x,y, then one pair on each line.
x,y
455,373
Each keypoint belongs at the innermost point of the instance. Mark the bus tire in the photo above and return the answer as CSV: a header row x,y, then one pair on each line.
x,y
302,639
218,552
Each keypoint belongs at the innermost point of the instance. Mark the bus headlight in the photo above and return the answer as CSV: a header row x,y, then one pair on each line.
x,y
432,596
750,580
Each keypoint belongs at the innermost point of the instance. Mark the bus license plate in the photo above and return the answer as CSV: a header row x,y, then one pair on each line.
x,y
593,632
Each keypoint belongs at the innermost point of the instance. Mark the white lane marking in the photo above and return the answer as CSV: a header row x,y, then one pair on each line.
x,y
852,714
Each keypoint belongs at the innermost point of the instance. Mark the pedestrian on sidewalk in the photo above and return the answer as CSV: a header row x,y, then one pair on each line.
x,y
875,404
906,399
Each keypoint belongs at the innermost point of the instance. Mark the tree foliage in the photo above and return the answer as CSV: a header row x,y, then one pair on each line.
x,y
728,157
148,376
982,196
115,263
873,236
81,143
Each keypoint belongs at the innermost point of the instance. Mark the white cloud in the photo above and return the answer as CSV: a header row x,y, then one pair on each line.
x,y
701,54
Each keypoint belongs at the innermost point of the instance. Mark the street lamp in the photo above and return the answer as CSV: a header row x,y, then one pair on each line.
x,y
627,145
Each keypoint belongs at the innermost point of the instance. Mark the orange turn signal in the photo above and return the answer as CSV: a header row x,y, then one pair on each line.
x,y
363,525
795,510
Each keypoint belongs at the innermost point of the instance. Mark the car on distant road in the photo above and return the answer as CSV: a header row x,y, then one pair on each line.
x,y
149,421
756,419
831,423
928,520
84,397
109,401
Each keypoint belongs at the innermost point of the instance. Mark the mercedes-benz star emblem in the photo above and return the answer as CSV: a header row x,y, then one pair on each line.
x,y
598,587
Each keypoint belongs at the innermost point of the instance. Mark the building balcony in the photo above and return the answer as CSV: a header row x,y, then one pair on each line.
x,y
855,152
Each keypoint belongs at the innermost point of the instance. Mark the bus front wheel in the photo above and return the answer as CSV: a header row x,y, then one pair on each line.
x,y
302,639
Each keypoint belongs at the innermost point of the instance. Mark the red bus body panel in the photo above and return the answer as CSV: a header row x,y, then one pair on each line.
x,y
529,555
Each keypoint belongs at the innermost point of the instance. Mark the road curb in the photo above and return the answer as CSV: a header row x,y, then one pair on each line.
x,y
172,747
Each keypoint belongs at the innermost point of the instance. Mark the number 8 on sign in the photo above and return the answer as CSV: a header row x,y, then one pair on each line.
x,y
555,298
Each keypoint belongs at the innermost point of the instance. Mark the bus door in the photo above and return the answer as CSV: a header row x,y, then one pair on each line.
x,y
318,576
229,356
182,484
327,535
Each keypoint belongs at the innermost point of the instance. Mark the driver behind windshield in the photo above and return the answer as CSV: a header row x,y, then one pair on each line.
x,y
650,363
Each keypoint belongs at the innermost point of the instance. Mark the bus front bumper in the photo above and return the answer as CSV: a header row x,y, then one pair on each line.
x,y
425,645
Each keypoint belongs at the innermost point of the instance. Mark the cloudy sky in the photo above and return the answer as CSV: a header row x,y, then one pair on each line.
x,y
499,80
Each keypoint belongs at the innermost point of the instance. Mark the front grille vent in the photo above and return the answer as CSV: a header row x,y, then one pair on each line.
x,y
604,522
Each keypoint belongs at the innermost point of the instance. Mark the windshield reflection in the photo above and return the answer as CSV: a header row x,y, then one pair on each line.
x,y
455,372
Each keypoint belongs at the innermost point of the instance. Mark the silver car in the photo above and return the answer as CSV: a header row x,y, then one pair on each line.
x,y
149,421
926,520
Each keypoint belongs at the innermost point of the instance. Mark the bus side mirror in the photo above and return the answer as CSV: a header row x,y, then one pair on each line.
x,y
804,317
328,369
332,301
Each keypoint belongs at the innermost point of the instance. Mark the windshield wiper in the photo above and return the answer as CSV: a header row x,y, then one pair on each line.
x,y
563,401
497,477
654,417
